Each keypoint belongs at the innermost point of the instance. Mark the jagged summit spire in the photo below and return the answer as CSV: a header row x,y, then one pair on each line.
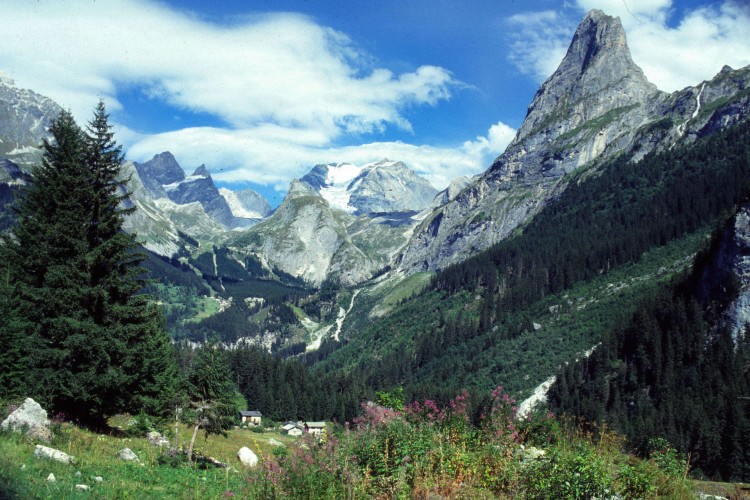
x,y
596,73
599,37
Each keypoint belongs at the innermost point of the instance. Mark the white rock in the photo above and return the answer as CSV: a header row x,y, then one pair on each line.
x,y
27,416
247,457
51,478
53,454
98,479
128,455
82,487
156,439
274,442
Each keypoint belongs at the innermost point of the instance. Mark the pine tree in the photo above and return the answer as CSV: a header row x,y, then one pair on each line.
x,y
94,346
211,393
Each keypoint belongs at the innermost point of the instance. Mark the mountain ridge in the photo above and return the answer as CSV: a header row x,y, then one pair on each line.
x,y
582,115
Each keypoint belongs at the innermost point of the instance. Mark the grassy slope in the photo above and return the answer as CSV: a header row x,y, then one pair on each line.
x,y
95,456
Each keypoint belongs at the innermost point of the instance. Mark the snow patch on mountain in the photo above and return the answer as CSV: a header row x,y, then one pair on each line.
x,y
235,205
336,190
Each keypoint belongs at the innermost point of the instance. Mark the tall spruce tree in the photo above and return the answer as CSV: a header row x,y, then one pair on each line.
x,y
211,393
93,345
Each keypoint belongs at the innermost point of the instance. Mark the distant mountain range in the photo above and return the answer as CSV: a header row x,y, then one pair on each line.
x,y
340,220
347,222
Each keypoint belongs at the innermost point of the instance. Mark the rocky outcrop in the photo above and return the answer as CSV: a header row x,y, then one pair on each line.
x,y
160,170
53,454
25,117
128,455
30,418
738,312
164,178
388,186
246,204
726,279
596,105
200,188
308,238
161,224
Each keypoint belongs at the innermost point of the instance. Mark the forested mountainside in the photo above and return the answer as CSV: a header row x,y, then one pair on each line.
x,y
581,268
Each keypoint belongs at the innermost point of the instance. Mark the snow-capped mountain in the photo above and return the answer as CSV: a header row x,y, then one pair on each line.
x,y
246,203
383,186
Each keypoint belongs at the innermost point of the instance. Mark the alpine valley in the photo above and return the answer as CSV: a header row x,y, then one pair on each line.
x,y
598,267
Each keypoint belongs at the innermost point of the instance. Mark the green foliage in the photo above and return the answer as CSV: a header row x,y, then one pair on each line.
x,y
91,345
391,399
211,391
576,473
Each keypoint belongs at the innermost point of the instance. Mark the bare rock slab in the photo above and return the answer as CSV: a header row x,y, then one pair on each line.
x,y
53,454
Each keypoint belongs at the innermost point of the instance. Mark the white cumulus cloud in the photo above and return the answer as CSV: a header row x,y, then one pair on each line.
x,y
282,69
273,156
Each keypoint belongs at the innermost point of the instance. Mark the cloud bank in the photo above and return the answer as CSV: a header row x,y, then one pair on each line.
x,y
283,88
277,93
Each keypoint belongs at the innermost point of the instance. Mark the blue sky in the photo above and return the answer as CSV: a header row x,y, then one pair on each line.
x,y
260,91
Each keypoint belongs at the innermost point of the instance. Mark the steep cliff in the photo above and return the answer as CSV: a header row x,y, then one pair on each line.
x,y
596,105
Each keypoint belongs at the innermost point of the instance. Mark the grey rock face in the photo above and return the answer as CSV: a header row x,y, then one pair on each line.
x,y
25,117
596,105
200,187
53,454
390,187
246,203
160,170
306,237
731,265
163,177
27,416
159,222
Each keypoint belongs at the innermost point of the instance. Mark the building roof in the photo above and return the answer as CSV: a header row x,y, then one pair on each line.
x,y
317,425
251,413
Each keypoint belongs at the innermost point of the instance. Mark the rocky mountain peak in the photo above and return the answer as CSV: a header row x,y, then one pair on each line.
x,y
202,171
160,170
596,75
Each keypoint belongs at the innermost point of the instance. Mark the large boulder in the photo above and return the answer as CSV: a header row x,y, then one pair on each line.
x,y
27,416
247,457
53,454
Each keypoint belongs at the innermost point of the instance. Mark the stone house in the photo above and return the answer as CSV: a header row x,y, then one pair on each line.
x,y
251,417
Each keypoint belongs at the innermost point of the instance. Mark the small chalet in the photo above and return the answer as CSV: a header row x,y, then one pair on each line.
x,y
251,417
293,428
315,428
